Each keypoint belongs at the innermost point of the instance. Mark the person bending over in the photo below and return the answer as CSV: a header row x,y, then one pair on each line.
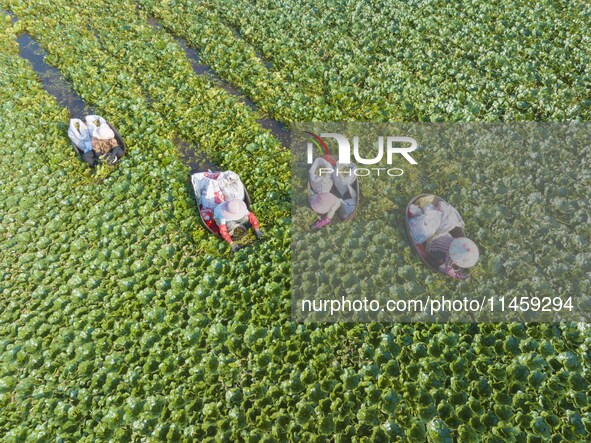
x,y
233,214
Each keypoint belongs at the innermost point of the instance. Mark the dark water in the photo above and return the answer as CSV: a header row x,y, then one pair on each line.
x,y
279,131
195,159
13,18
276,128
51,78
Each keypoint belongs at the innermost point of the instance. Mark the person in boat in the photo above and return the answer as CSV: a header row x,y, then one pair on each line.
x,y
332,190
232,214
89,156
328,205
432,224
453,252
104,142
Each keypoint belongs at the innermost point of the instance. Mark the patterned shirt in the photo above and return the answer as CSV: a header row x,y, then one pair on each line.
x,y
439,248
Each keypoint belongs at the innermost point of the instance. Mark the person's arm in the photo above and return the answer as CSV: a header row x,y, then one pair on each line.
x,y
253,221
255,225
448,268
225,234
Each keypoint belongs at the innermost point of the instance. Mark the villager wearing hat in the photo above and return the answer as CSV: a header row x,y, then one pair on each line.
x,y
104,142
326,204
431,224
231,214
451,251
461,252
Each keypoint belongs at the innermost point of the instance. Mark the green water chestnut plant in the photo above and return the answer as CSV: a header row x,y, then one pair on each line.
x,y
122,320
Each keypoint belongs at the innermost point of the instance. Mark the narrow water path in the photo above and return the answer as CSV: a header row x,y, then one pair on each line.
x,y
276,128
193,158
51,78
57,85
13,18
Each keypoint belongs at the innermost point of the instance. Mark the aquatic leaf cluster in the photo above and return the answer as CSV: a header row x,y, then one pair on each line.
x,y
385,60
521,189
121,319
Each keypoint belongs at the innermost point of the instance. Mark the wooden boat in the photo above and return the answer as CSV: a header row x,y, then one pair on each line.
x,y
118,137
210,224
347,195
420,248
